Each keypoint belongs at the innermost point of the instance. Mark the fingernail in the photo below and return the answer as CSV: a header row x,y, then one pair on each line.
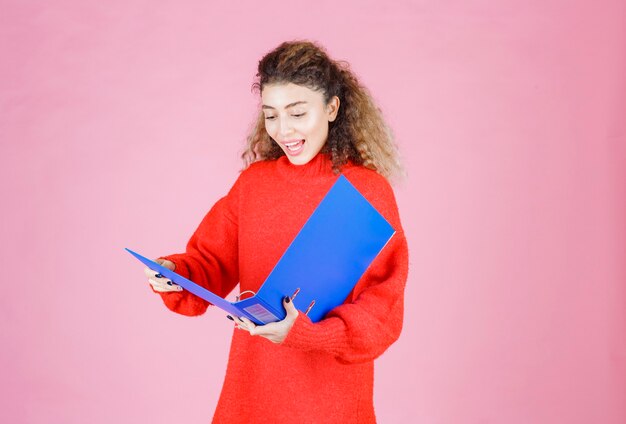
x,y
239,319
229,317
169,283
287,299
158,276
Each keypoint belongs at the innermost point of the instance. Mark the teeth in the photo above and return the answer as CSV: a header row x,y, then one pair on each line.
x,y
293,144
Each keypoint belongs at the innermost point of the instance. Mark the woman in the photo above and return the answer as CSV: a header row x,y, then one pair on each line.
x,y
315,121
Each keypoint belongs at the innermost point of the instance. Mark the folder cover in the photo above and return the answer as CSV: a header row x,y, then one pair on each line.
x,y
326,259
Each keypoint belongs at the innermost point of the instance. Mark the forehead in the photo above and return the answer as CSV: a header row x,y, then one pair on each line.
x,y
280,95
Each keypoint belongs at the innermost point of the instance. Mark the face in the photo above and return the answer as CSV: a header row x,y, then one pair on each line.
x,y
297,118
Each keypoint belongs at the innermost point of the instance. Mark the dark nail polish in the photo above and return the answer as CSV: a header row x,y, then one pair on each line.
x,y
287,299
229,317
159,276
169,283
239,319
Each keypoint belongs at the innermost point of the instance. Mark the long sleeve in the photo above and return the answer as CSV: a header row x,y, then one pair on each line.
x,y
361,330
211,258
276,197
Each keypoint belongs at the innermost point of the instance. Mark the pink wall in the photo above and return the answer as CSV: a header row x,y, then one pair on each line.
x,y
121,123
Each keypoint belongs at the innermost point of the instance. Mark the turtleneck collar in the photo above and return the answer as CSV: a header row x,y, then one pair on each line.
x,y
318,169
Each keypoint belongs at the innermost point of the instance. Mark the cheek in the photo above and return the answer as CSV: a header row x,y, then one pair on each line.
x,y
315,126
321,128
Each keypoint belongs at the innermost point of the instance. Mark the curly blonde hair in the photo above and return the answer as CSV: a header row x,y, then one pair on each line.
x,y
358,134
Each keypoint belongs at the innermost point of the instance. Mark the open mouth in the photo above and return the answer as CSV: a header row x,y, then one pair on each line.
x,y
294,147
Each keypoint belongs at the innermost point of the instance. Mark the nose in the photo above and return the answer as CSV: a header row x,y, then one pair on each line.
x,y
284,127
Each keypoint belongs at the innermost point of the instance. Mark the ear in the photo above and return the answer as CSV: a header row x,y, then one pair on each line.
x,y
332,108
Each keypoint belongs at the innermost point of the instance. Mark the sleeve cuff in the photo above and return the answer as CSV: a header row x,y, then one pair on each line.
x,y
300,332
309,336
170,299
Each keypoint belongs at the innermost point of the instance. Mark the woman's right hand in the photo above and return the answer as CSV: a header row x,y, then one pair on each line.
x,y
159,282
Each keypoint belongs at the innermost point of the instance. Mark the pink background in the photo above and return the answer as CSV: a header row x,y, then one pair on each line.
x,y
121,123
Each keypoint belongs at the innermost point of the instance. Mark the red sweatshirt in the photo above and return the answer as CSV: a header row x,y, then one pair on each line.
x,y
322,372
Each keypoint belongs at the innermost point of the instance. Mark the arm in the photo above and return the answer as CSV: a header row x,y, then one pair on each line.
x,y
211,258
361,330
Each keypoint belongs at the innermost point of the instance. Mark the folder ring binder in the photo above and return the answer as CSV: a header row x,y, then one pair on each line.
x,y
327,257
310,307
238,297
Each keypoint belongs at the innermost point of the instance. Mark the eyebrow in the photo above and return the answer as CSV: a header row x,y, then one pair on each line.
x,y
286,107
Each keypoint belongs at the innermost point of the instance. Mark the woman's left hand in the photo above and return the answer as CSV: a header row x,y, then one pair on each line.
x,y
274,331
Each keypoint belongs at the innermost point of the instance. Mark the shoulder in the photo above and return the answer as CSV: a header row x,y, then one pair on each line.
x,y
250,175
371,184
257,169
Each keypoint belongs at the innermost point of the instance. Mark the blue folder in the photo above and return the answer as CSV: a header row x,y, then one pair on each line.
x,y
326,259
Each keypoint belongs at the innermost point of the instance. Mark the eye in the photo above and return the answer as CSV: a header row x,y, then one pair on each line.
x,y
298,115
270,118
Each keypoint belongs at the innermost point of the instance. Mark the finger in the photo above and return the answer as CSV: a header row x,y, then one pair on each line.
x,y
242,326
236,322
269,329
274,331
246,321
292,312
164,280
160,287
163,286
166,264
149,272
157,287
249,325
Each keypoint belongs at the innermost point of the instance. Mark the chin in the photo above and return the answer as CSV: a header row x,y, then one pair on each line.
x,y
299,160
